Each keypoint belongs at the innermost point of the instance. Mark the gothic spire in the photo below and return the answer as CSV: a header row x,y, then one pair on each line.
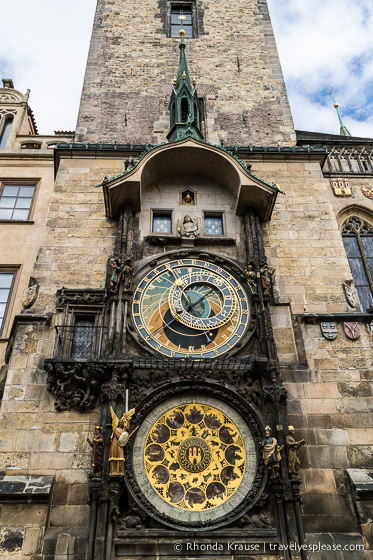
x,y
184,105
343,130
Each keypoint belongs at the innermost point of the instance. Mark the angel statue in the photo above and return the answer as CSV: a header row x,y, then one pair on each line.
x,y
119,438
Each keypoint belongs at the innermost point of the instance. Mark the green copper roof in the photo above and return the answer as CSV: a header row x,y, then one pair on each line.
x,y
184,105
182,77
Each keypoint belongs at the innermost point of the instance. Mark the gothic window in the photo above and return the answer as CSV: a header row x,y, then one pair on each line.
x,y
186,11
213,224
83,336
358,241
6,286
5,132
16,201
184,109
162,222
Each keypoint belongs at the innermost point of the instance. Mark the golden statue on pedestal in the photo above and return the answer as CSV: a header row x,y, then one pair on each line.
x,y
119,438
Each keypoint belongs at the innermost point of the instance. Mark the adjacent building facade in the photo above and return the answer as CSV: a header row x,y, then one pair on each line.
x,y
200,280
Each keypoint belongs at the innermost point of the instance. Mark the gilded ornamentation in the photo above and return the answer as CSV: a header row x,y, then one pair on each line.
x,y
119,438
368,192
29,296
271,453
190,308
266,274
252,279
116,271
194,457
329,329
292,447
341,187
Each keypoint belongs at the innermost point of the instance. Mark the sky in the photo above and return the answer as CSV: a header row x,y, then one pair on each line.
x,y
322,43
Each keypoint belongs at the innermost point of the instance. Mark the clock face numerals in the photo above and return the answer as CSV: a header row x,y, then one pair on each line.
x,y
190,308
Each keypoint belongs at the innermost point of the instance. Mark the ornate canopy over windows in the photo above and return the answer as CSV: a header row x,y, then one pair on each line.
x,y
357,236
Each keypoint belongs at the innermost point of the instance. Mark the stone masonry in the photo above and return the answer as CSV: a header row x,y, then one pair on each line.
x,y
125,97
131,66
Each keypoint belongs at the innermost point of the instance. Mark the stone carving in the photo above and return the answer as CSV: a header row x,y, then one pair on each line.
x,y
251,391
329,329
256,521
74,385
131,522
341,187
79,297
352,330
98,444
128,275
275,393
119,438
116,272
114,389
8,83
266,274
252,279
30,296
9,98
271,453
292,447
188,227
349,295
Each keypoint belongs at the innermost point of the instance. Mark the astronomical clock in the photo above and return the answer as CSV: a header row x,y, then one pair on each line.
x,y
190,308
195,455
195,460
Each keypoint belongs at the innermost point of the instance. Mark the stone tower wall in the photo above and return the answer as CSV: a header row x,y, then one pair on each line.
x,y
132,63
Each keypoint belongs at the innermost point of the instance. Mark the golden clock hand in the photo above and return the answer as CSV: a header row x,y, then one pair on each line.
x,y
191,306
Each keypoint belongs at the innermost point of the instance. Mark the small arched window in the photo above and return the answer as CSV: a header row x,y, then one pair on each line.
x,y
358,241
5,132
184,109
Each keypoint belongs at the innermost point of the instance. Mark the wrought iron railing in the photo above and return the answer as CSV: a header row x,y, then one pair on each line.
x,y
79,341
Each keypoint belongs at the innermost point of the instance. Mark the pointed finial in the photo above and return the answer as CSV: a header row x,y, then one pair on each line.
x,y
343,130
194,81
181,17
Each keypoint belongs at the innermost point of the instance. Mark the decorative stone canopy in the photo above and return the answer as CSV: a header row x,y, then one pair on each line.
x,y
199,159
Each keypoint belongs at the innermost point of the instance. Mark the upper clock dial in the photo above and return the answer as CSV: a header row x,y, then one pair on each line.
x,y
190,308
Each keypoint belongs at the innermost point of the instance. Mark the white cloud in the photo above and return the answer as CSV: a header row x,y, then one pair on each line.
x,y
44,46
323,44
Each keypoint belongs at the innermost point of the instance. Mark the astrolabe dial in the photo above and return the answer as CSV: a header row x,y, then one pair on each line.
x,y
194,457
186,311
190,308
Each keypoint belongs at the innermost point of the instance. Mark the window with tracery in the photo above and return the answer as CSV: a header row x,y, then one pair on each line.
x,y
358,241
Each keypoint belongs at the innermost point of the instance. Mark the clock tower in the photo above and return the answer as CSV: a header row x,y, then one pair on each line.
x,y
180,279
184,336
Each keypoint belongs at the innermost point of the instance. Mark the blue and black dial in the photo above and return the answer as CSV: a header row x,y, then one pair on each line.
x,y
190,308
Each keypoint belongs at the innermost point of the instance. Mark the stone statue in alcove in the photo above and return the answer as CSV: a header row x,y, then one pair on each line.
x,y
188,227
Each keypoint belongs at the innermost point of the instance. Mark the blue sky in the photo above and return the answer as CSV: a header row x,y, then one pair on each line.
x,y
322,43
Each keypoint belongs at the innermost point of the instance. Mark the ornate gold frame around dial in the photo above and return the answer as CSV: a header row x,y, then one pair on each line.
x,y
213,472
